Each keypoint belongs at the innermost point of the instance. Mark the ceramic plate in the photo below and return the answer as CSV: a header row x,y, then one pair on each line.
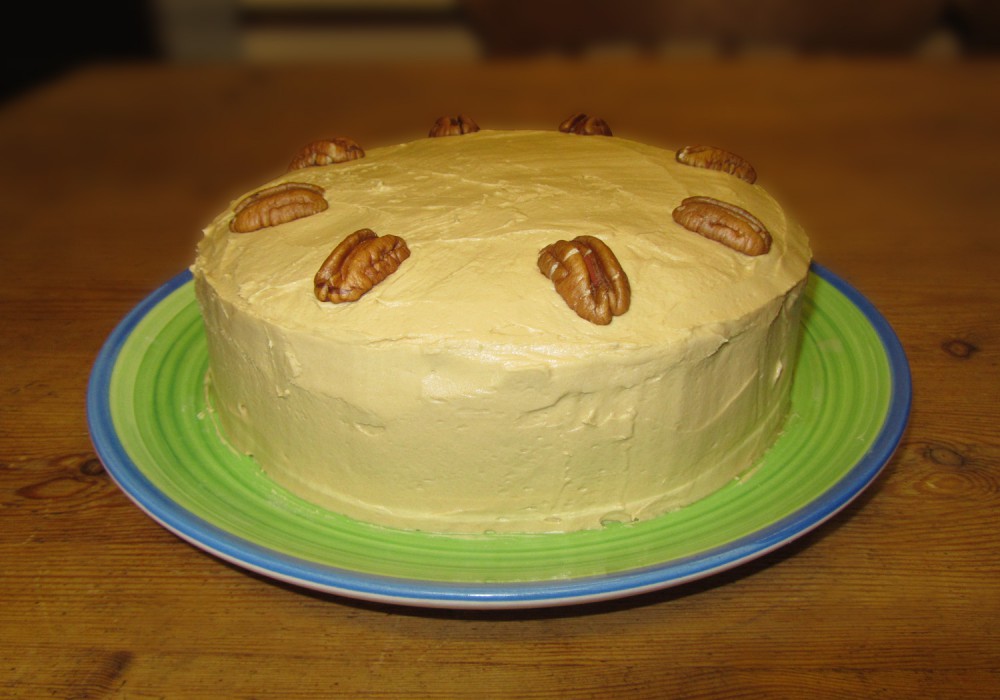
x,y
152,429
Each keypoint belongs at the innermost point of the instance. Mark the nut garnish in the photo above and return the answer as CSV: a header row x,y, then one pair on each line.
x,y
718,159
723,222
326,152
588,277
453,126
586,126
277,205
357,264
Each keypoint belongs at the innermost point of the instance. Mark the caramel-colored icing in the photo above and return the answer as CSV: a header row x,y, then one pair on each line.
x,y
462,394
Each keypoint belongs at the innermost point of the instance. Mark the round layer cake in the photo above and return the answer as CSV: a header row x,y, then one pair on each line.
x,y
465,389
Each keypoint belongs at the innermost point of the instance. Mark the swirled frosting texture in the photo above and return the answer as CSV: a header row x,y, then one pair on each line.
x,y
461,394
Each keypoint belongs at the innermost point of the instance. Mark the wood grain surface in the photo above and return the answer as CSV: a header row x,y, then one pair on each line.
x,y
106,177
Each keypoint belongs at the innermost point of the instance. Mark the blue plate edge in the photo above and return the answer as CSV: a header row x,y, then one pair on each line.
x,y
373,587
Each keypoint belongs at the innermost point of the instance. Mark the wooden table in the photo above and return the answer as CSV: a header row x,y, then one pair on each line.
x,y
107,176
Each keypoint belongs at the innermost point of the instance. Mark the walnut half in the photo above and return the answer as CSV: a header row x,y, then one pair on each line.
x,y
453,126
714,158
357,264
588,277
585,126
327,152
726,223
277,205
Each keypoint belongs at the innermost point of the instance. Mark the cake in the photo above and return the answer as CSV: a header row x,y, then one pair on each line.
x,y
503,330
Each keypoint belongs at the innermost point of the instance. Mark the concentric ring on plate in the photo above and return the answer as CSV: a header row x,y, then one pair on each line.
x,y
151,428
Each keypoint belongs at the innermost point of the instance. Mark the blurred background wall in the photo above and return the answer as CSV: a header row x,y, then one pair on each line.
x,y
53,40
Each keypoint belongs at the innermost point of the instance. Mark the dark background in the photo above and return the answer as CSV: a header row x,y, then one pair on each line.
x,y
47,41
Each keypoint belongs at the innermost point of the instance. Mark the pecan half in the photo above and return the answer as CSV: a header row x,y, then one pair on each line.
x,y
723,222
588,277
586,126
453,126
277,205
326,152
718,159
357,264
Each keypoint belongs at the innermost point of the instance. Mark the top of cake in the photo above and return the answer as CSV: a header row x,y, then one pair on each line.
x,y
475,211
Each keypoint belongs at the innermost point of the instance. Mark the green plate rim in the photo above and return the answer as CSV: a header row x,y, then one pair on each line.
x,y
132,470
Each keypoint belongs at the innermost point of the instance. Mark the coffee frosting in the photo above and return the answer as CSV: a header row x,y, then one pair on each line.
x,y
461,394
